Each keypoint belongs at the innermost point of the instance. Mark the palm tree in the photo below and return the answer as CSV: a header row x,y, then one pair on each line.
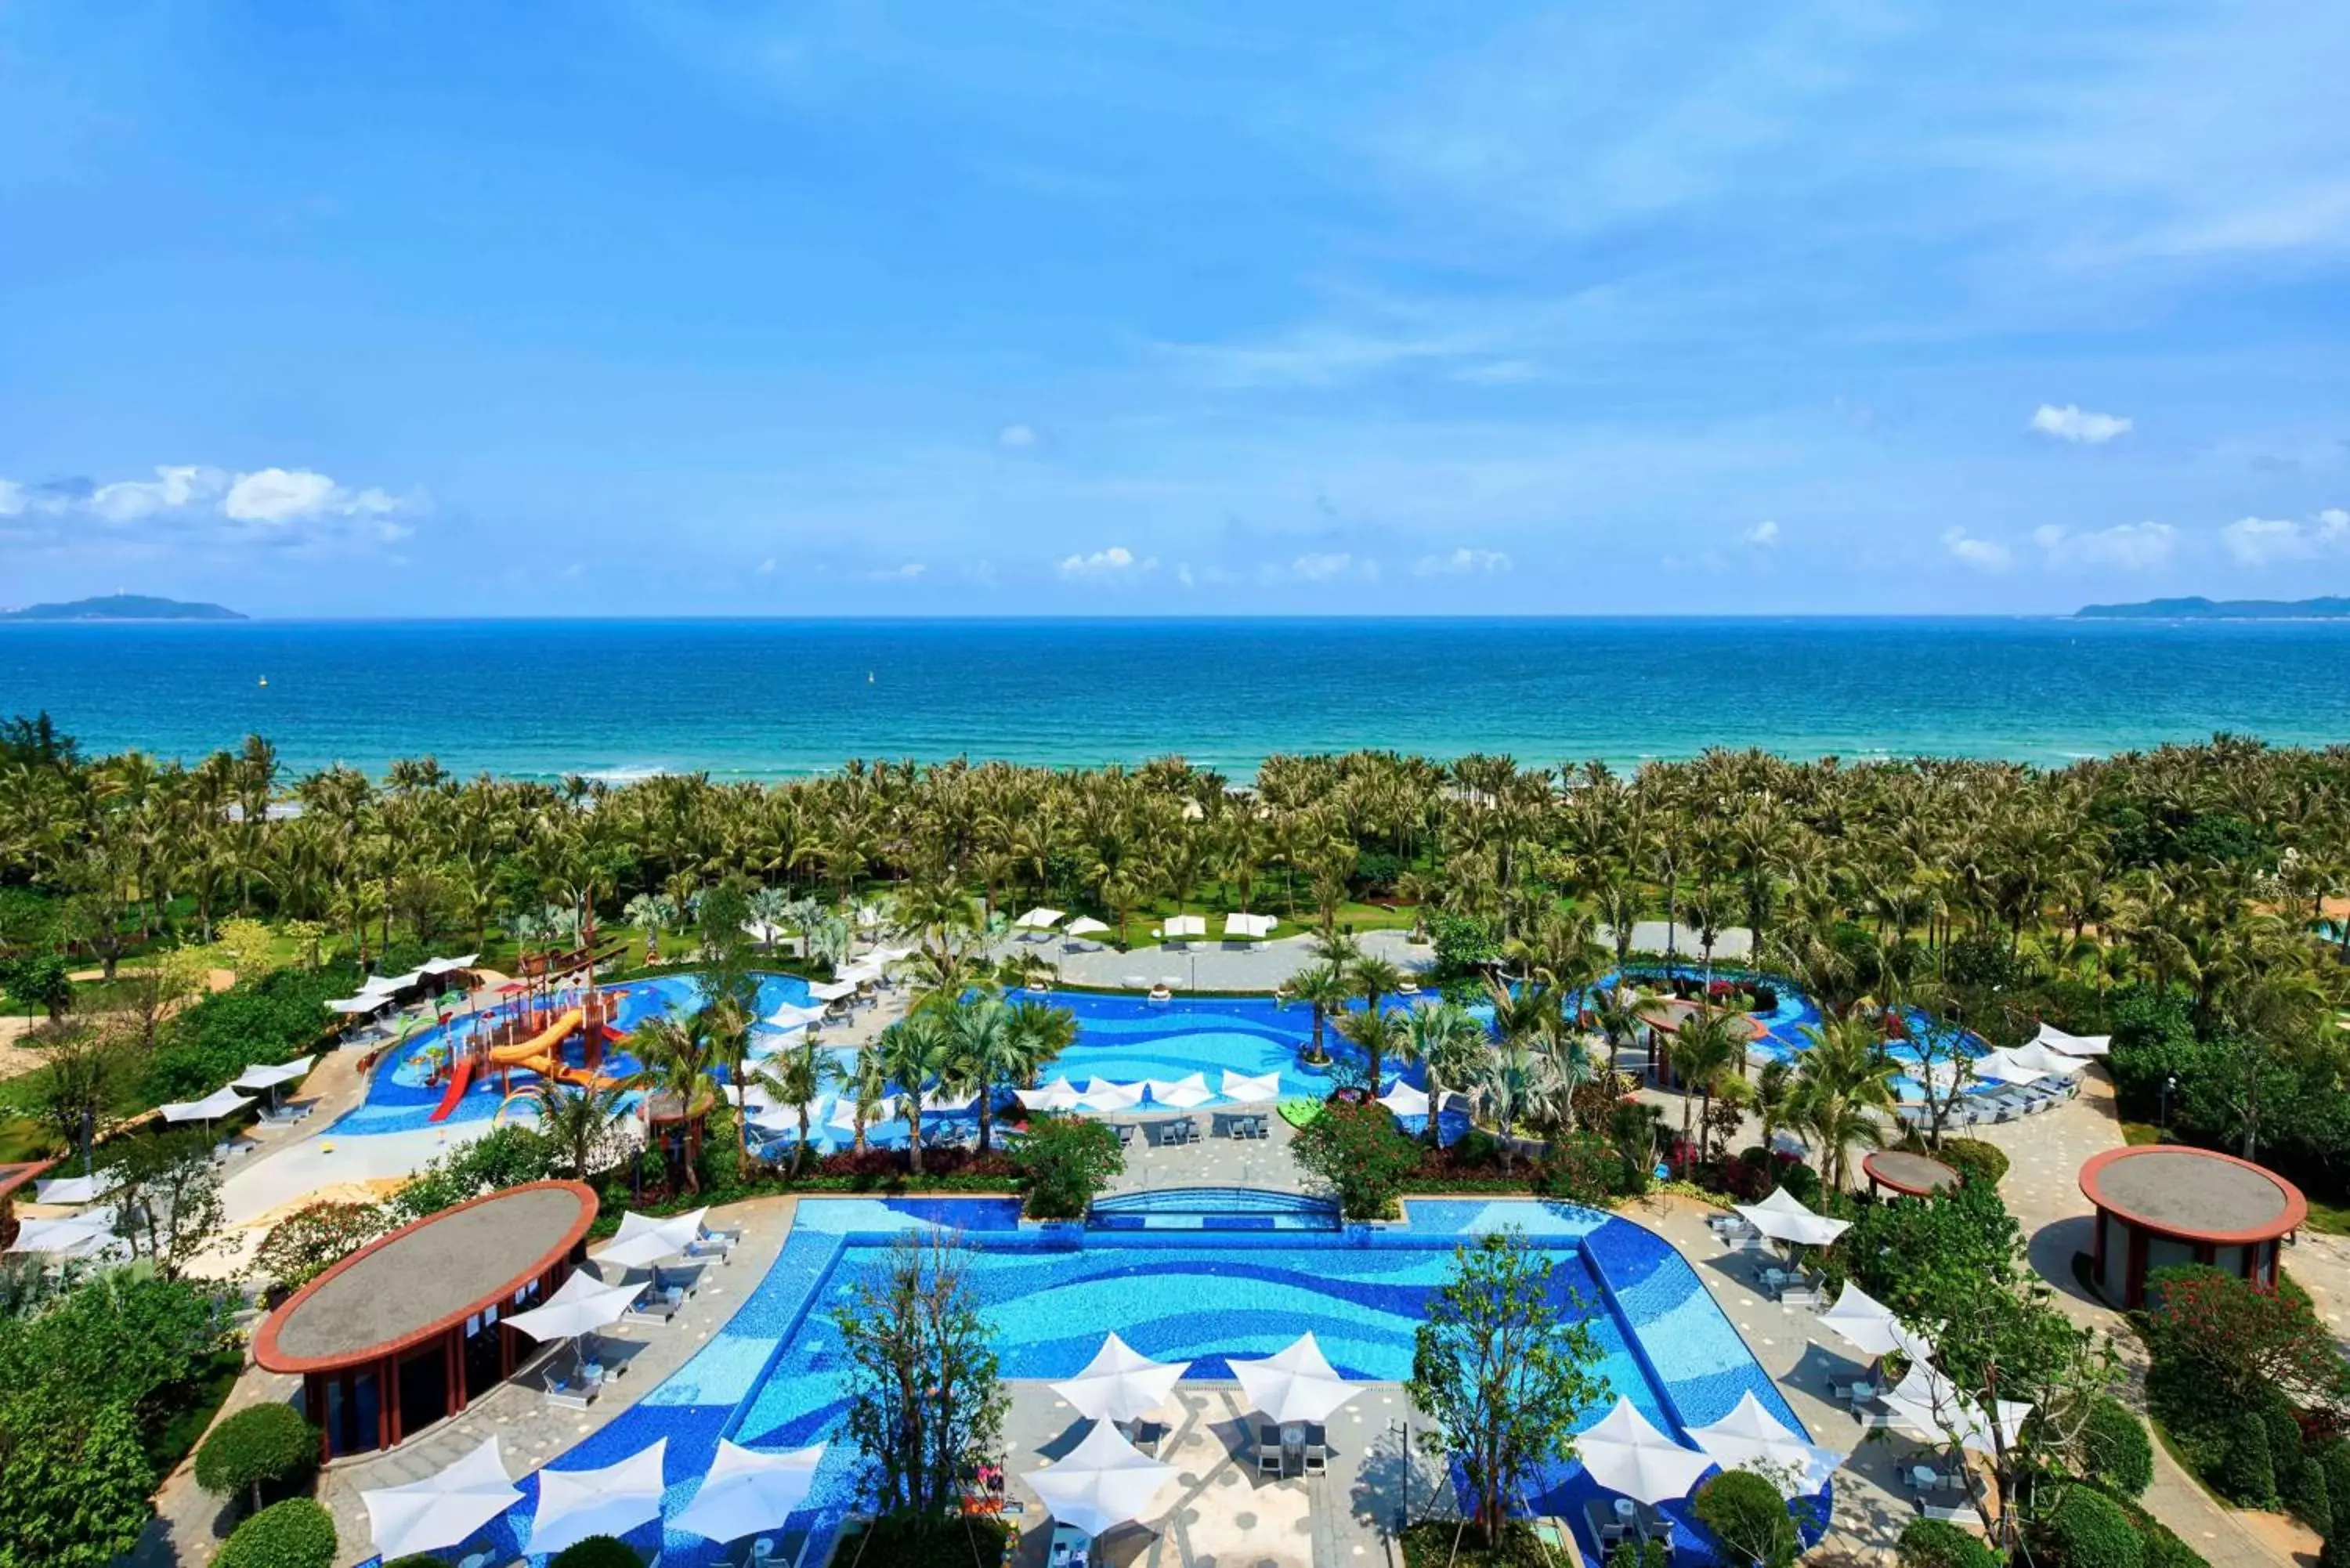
x,y
1373,1033
1036,1032
915,1050
577,1119
1326,989
795,1077
1843,1081
1512,1080
867,1085
1710,1046
1775,1088
1446,1040
676,1055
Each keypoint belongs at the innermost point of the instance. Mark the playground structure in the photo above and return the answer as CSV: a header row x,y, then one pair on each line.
x,y
554,999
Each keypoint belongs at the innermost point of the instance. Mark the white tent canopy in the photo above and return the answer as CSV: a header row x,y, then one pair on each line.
x,y
269,1077
1782,1218
1869,1327
449,965
441,1510
2055,1039
1086,926
1405,1101
1252,1091
576,1504
1103,1096
746,1491
1038,919
1103,1482
844,1113
82,1236
1295,1384
864,972
1929,1405
1174,928
833,990
582,1305
643,1241
77,1188
212,1108
2002,1067
1624,1453
1752,1438
2047,1060
1251,928
1055,1096
791,1017
1120,1383
1183,1093
365,1002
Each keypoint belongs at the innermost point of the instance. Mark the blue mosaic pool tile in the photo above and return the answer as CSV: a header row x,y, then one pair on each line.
x,y
723,1372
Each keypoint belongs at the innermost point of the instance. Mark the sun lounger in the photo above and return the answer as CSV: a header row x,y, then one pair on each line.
x,y
1958,1513
1268,1451
1800,1296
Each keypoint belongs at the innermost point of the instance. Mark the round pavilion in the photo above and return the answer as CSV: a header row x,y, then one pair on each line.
x,y
1908,1173
2162,1205
408,1328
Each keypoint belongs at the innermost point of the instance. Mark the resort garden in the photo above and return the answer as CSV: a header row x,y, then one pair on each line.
x,y
163,929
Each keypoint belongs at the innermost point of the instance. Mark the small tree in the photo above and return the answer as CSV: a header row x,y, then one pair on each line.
x,y
1065,1161
1357,1149
2247,1340
924,1401
39,982
82,1064
312,1239
74,1484
168,1198
261,1444
296,1534
1502,1371
1748,1516
597,1552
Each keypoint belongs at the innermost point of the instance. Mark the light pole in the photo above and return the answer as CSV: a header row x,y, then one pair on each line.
x,y
2162,1133
1403,1474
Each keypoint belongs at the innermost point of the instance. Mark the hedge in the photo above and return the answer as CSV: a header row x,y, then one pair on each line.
x,y
1931,1543
2091,1531
296,1534
2117,1451
1975,1160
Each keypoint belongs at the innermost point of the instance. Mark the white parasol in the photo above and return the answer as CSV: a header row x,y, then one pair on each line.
x,y
576,1504
1752,1438
1783,1218
1103,1482
1297,1383
1120,1383
443,1509
1181,1093
1624,1453
747,1491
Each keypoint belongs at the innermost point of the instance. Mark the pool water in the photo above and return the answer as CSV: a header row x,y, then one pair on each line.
x,y
773,1376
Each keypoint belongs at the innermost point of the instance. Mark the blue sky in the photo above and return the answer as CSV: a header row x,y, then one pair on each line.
x,y
379,307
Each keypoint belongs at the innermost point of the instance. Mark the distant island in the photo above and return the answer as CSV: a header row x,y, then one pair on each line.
x,y
2199,608
123,606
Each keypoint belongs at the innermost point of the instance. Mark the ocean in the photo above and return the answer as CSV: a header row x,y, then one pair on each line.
x,y
770,699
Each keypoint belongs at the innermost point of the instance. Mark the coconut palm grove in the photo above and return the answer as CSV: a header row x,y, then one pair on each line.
x,y
1475,1160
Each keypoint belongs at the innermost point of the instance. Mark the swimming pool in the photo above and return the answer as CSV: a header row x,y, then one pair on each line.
x,y
401,1099
773,1376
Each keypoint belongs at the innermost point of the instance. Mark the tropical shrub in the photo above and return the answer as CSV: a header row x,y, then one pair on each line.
x,y
1749,1517
38,980
260,1445
280,1017
1065,1161
2115,1449
1464,946
1583,1170
1975,1160
2090,1530
1931,1543
312,1239
296,1534
1359,1153
1639,1554
74,1479
508,1156
2246,1472
597,1552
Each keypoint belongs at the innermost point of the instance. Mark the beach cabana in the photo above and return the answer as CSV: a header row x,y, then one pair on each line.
x,y
2056,1039
1120,1383
1185,1094
747,1490
1294,1384
1244,1089
1625,1454
1782,1218
441,1510
1183,928
576,1504
1249,927
1751,1437
1105,1481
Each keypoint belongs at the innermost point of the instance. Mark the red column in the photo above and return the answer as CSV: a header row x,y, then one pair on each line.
x,y
383,1402
2134,1271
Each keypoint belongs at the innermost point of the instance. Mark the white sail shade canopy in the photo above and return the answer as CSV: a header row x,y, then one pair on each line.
x,y
269,1077
2047,1060
844,1113
77,1188
1103,1482
1174,928
1086,926
1246,1090
1120,1383
1751,1437
1869,1327
2002,1067
212,1108
1295,1383
576,1504
1624,1453
443,1509
1405,1101
582,1305
82,1236
748,1491
1783,1218
1928,1406
643,1241
1055,1096
1183,1093
833,990
791,1017
1038,919
1103,1096
2055,1039
1249,928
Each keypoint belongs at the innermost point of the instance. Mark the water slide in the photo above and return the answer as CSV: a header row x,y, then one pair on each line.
x,y
461,1078
543,1053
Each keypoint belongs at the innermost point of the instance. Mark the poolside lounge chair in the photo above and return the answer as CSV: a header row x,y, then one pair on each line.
x,y
1800,1296
1268,1451
1608,1527
1071,1548
1959,1513
1145,1435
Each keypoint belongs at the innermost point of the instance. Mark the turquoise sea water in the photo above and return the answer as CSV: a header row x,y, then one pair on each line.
x,y
763,699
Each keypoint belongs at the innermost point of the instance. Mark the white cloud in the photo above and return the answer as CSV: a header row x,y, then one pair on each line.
x,y
2074,423
2131,547
1983,555
2258,541
1013,437
1184,573
134,500
12,498
1323,565
767,567
1763,536
1118,561
1463,562
279,495
905,571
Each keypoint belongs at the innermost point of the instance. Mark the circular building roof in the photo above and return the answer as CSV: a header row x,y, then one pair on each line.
x,y
1669,1012
2194,1194
425,1278
1918,1175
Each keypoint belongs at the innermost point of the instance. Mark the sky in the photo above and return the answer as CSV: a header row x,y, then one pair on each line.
x,y
843,307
